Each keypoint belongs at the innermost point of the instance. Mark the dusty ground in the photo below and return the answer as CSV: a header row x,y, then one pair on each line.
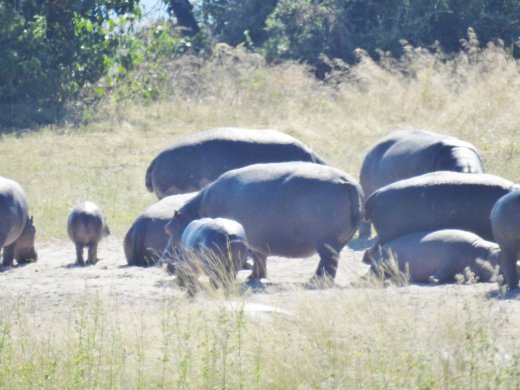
x,y
54,283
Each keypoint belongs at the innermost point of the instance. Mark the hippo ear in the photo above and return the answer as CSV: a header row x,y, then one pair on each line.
x,y
176,213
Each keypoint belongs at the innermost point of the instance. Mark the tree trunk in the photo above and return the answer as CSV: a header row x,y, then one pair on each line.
x,y
183,11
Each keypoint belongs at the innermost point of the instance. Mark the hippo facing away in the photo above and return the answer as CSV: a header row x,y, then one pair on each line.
x,y
216,246
17,231
505,221
146,239
437,256
86,226
192,163
434,201
289,209
405,154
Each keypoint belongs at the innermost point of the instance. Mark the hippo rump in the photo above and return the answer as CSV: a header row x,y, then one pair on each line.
x,y
217,246
146,239
405,154
17,230
505,222
192,163
437,256
434,201
86,226
291,209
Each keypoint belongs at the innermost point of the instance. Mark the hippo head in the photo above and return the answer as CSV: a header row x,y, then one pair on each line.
x,y
24,251
459,159
174,229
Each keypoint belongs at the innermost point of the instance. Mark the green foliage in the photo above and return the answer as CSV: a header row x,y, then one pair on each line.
x,y
51,49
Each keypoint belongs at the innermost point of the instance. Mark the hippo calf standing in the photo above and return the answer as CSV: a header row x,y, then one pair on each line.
x,y
17,230
216,246
86,226
405,154
437,256
290,209
196,161
146,239
434,201
505,221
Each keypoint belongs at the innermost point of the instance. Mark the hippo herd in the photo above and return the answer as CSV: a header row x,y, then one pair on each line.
x,y
228,195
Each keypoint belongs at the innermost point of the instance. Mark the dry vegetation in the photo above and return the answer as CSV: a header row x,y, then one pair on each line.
x,y
369,337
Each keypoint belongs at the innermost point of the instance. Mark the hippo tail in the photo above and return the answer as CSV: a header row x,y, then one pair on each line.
x,y
357,205
148,177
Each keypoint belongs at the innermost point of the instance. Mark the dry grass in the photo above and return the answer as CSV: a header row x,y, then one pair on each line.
x,y
353,338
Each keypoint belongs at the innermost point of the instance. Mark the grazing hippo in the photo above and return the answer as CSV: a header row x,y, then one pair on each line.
x,y
505,222
290,209
437,256
86,226
434,201
218,246
405,154
146,239
17,230
196,161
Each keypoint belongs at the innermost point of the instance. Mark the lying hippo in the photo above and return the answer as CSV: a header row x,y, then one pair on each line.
x,y
218,246
434,201
146,239
288,209
437,256
405,154
190,164
17,230
505,222
86,227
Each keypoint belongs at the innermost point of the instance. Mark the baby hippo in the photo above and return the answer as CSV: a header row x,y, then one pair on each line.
x,y
436,256
216,246
86,227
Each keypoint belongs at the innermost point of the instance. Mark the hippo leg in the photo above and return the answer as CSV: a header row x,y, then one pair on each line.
x,y
507,261
92,254
259,266
9,254
365,230
329,258
79,254
445,272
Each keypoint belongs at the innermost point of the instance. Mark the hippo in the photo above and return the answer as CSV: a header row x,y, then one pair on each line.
x,y
195,161
434,201
86,226
218,246
505,223
436,256
290,209
17,231
405,154
146,239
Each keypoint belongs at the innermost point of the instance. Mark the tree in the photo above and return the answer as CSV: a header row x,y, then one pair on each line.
x,y
183,11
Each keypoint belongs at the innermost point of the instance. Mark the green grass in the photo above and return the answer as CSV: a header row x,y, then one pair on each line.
x,y
367,338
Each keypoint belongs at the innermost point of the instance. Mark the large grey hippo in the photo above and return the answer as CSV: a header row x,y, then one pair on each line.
x,y
17,230
86,226
434,201
289,209
195,161
218,246
437,256
505,221
405,154
146,239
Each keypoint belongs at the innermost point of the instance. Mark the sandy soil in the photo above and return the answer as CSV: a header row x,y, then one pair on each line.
x,y
54,283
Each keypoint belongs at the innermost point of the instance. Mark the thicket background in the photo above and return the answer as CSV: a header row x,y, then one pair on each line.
x,y
61,57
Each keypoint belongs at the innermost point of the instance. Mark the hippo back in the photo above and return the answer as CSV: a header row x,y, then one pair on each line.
x,y
196,161
13,211
405,154
433,201
285,208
